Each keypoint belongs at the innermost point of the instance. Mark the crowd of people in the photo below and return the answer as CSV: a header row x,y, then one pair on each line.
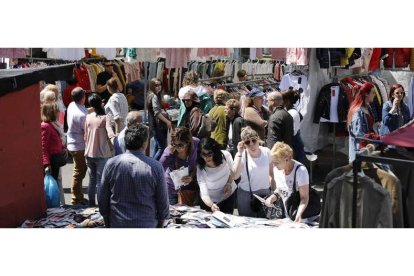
x,y
229,148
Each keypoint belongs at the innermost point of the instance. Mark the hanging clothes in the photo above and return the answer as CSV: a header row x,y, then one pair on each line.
x,y
65,53
13,52
176,57
397,57
297,56
108,53
278,53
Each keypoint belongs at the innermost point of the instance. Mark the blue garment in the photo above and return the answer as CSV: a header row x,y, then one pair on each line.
x,y
119,142
359,127
133,191
390,121
160,138
95,169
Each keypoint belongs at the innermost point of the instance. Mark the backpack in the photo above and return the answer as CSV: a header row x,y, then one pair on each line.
x,y
205,126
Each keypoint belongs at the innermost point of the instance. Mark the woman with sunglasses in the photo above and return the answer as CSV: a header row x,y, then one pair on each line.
x,y
395,112
253,164
158,118
182,152
215,177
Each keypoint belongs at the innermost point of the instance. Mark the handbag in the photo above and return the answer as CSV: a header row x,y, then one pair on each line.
x,y
292,203
189,194
58,159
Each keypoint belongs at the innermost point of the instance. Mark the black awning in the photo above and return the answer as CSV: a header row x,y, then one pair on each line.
x,y
16,79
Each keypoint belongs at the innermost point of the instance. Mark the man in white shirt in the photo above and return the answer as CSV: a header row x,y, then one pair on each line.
x,y
76,116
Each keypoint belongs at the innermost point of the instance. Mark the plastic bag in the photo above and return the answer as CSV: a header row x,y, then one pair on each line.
x,y
52,192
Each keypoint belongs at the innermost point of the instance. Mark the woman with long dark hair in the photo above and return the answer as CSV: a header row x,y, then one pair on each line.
x,y
215,177
182,152
360,119
157,117
395,112
99,137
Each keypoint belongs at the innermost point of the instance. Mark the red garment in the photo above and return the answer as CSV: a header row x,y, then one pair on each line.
x,y
375,59
401,57
51,142
402,137
67,97
82,76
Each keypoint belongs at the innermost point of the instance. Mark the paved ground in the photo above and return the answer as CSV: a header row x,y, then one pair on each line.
x,y
321,167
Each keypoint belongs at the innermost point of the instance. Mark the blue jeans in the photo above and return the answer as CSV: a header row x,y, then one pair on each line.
x,y
160,138
95,169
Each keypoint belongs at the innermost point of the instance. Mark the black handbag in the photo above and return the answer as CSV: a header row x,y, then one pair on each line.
x,y
58,159
292,203
262,210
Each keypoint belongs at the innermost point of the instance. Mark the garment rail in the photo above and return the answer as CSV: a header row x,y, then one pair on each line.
x,y
362,156
216,78
249,82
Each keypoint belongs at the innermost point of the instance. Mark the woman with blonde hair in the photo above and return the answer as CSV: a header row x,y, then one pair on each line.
x,y
52,138
286,172
253,164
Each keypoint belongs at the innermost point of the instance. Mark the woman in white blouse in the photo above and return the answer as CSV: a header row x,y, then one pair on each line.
x,y
215,178
117,106
253,164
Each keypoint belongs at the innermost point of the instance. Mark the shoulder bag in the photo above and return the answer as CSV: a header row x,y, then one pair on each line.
x,y
292,203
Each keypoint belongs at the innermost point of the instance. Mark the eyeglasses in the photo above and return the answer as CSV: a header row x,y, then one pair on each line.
x,y
157,85
179,146
253,141
207,154
399,93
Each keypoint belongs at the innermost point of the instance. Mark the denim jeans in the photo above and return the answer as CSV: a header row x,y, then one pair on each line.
x,y
160,137
95,170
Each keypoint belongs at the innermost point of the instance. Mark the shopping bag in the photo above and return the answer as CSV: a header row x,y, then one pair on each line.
x,y
52,192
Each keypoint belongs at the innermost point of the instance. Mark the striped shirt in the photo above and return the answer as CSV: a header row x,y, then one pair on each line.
x,y
117,107
133,191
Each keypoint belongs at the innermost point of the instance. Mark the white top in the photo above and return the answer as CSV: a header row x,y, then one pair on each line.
x,y
296,120
258,169
213,180
284,183
117,107
199,90
296,82
76,116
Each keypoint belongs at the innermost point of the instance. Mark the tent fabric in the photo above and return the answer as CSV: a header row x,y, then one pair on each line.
x,y
17,79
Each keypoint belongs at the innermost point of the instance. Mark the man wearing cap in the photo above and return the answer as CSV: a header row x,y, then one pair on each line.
x,y
255,114
280,122
219,118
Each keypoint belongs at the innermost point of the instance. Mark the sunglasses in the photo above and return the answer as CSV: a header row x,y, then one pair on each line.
x,y
399,93
207,154
179,146
158,85
253,141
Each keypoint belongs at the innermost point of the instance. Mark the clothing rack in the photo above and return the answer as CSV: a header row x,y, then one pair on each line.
x,y
216,78
248,82
363,155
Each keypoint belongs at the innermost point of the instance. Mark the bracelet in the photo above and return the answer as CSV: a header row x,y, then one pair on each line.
x,y
238,155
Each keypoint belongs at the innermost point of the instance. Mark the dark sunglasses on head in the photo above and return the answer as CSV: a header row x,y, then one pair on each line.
x,y
253,141
207,154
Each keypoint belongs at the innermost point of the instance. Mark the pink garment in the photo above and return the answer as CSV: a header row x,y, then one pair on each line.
x,y
98,133
278,53
259,52
13,52
132,71
402,137
206,52
297,56
176,57
277,72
